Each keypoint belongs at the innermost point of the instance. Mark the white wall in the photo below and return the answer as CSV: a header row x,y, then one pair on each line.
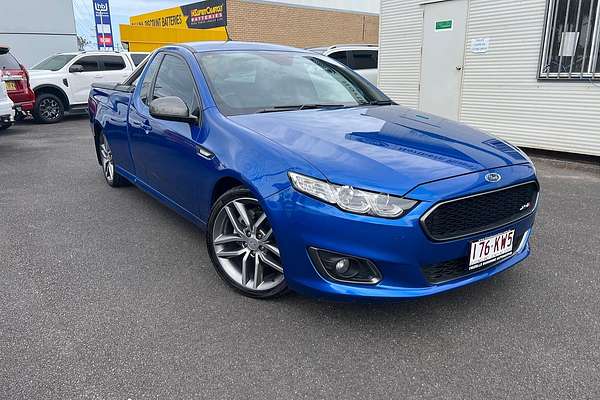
x,y
38,28
363,6
500,93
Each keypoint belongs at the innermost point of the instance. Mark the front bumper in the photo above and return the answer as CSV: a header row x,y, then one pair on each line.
x,y
398,247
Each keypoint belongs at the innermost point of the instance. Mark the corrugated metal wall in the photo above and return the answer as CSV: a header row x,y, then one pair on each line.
x,y
500,92
400,35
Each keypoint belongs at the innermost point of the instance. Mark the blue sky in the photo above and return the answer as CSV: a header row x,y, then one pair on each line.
x,y
121,10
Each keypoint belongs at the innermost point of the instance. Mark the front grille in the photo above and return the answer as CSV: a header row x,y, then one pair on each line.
x,y
458,268
475,214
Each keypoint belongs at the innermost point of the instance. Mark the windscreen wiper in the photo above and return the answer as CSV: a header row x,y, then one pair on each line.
x,y
381,103
299,107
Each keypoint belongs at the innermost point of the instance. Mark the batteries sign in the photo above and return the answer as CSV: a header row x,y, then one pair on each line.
x,y
205,14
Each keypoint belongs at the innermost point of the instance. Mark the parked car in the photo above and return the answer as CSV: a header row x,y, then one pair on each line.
x,y
62,82
362,58
17,82
307,177
7,112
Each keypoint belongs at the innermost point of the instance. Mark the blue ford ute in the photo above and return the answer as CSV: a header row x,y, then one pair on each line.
x,y
307,177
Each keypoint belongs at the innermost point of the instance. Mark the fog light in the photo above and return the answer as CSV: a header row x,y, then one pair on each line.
x,y
344,268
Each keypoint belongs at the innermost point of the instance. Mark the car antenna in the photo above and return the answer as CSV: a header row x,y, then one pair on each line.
x,y
228,35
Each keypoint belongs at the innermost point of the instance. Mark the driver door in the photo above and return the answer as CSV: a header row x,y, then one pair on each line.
x,y
171,164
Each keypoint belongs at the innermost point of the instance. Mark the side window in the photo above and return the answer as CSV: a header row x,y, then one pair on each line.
x,y
147,82
175,79
89,63
137,58
112,63
340,56
8,61
364,59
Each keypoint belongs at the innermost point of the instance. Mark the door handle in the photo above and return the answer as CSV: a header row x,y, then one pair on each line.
x,y
204,152
98,76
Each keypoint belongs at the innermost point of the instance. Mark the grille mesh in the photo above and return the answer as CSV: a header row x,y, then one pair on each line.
x,y
487,211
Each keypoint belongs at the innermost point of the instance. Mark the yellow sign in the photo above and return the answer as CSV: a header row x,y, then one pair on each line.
x,y
169,18
202,15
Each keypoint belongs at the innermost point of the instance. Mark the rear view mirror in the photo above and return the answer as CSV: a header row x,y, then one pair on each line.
x,y
171,108
76,68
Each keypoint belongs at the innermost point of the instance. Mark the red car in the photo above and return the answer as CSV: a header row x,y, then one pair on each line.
x,y
17,82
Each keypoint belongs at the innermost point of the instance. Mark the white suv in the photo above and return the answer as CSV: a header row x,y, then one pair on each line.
x,y
62,82
7,112
362,58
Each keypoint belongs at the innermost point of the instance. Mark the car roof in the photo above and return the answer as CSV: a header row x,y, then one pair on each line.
x,y
200,47
353,46
97,53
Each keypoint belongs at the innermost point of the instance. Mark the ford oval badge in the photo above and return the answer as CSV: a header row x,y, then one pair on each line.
x,y
493,177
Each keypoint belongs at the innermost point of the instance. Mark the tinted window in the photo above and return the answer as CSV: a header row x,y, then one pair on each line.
x,y
249,82
137,58
54,63
364,59
113,63
147,83
175,79
340,56
8,61
89,63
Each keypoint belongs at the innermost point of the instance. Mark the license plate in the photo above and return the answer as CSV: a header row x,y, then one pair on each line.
x,y
490,250
11,85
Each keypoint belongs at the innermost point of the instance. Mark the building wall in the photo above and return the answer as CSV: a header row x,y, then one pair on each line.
x,y
501,93
38,28
298,26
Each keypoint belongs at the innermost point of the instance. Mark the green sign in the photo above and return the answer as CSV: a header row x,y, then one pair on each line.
x,y
445,25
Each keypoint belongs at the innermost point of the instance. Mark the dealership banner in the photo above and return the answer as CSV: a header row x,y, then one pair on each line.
x,y
201,15
104,34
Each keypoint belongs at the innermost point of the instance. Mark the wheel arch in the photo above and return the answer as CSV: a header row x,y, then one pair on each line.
x,y
97,133
55,90
224,184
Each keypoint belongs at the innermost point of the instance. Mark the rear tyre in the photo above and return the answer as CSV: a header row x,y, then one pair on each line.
x,y
242,246
108,166
48,109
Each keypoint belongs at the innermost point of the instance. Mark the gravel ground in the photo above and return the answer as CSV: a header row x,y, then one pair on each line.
x,y
107,294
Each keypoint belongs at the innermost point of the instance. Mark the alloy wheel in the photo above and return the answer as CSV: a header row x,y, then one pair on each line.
x,y
245,246
49,109
107,161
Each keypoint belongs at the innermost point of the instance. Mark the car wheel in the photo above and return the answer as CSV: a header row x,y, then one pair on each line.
x,y
48,109
108,165
242,246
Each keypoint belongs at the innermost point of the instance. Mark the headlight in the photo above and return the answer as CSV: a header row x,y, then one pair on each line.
x,y
351,199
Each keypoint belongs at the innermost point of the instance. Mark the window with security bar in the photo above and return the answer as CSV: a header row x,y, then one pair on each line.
x,y
572,40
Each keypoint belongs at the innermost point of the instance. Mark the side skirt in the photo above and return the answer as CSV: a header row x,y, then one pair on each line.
x,y
162,198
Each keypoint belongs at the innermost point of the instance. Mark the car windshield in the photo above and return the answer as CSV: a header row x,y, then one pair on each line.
x,y
244,82
54,63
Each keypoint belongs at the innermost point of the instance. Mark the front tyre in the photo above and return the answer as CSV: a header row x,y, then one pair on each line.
x,y
48,109
108,166
242,246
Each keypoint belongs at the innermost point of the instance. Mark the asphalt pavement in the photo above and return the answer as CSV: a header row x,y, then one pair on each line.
x,y
106,294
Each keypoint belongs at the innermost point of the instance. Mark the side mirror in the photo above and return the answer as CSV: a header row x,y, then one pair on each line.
x,y
76,68
171,108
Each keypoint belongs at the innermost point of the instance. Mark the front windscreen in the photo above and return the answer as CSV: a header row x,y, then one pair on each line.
x,y
54,63
244,82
